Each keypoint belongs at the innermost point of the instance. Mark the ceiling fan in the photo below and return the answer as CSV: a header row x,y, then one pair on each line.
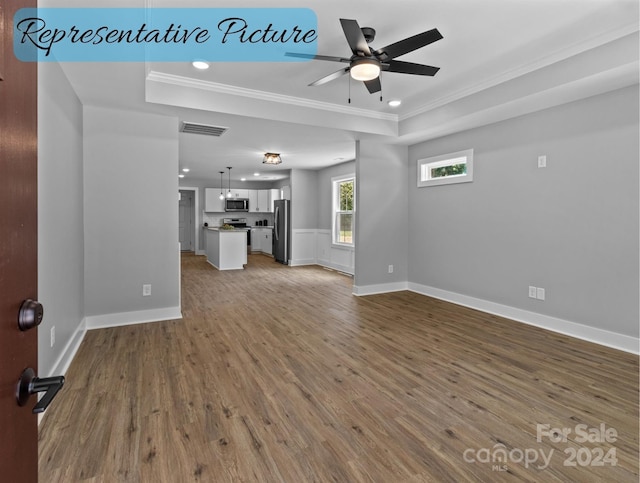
x,y
365,64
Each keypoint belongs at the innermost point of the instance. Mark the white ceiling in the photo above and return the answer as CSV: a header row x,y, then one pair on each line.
x,y
269,106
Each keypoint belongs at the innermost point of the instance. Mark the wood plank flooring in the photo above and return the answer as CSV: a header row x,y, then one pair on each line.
x,y
279,374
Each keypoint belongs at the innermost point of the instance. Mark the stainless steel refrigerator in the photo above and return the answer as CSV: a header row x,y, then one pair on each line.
x,y
281,230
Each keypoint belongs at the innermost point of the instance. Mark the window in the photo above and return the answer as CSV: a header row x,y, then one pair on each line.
x,y
344,205
446,169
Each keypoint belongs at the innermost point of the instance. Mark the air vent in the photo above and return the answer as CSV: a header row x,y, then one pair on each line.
x,y
206,129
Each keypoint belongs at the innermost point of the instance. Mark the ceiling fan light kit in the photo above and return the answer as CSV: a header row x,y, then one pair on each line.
x,y
364,69
366,64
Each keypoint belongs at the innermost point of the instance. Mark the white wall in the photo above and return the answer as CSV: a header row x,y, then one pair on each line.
x,y
304,216
60,219
571,228
382,222
130,216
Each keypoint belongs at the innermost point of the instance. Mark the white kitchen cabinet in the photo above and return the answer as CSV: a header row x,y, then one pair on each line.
x,y
238,193
212,201
263,201
262,240
253,201
259,201
256,240
267,241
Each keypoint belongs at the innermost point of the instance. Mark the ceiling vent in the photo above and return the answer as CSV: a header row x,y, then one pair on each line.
x,y
206,129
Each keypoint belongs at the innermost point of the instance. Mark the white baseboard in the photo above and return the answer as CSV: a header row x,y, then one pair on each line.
x,y
132,318
61,365
335,266
592,334
380,288
303,261
200,252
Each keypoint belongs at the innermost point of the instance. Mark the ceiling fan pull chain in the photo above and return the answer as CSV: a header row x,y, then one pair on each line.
x,y
349,89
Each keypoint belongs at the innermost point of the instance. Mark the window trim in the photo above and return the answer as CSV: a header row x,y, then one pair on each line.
x,y
335,181
442,160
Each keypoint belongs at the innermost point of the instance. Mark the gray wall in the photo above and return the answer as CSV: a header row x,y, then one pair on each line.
x,y
381,213
571,228
304,196
60,214
131,210
324,202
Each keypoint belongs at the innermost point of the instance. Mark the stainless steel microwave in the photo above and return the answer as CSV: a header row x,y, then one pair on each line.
x,y
236,204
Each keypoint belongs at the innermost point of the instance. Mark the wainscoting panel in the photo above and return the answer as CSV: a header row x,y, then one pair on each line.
x,y
338,258
303,247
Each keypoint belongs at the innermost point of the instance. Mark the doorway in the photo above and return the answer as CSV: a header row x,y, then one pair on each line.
x,y
186,220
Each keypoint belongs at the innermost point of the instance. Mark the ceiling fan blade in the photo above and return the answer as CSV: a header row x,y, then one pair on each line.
x,y
355,38
316,57
407,45
373,85
409,68
330,77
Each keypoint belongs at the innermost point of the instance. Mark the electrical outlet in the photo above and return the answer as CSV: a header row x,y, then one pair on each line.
x,y
542,161
540,293
146,290
390,268
53,335
533,293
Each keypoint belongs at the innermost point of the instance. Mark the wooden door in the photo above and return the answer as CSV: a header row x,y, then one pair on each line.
x,y
18,250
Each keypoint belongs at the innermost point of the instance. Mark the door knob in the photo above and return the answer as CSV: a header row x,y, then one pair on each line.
x,y
30,384
30,315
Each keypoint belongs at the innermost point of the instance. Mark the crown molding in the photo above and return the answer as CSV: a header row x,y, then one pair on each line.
x,y
539,63
227,89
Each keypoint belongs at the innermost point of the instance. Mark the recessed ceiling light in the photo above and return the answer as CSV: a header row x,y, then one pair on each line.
x,y
199,64
256,174
181,176
243,179
395,102
186,170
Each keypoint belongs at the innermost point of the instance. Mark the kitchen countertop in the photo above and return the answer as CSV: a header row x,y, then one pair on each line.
x,y
217,228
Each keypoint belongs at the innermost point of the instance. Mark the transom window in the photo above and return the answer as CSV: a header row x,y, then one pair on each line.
x,y
446,169
344,205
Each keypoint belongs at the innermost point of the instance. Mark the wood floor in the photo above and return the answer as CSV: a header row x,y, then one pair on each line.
x,y
279,374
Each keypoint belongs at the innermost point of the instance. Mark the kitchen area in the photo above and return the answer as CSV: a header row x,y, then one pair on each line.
x,y
245,221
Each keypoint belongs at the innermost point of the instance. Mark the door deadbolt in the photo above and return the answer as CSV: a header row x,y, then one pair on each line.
x,y
30,315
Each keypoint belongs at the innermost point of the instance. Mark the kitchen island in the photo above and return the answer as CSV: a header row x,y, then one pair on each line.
x,y
226,249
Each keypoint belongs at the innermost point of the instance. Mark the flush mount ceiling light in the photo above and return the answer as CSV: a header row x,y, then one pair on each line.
x,y
199,64
364,69
272,158
221,191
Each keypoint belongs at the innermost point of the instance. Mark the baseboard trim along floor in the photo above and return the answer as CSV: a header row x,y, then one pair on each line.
x,y
573,329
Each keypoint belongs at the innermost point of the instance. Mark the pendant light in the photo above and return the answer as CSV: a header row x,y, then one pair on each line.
x,y
221,188
229,192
